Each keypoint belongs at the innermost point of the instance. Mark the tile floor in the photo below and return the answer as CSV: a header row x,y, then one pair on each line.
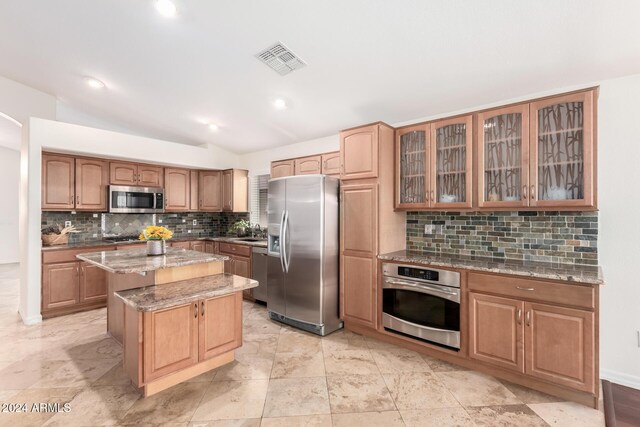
x,y
281,377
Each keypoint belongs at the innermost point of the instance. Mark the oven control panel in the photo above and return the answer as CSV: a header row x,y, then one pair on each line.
x,y
419,273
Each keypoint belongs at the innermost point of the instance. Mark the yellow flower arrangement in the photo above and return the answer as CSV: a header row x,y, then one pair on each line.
x,y
154,232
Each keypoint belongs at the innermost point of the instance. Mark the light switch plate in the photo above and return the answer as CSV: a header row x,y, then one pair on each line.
x,y
188,231
67,223
95,215
195,222
159,221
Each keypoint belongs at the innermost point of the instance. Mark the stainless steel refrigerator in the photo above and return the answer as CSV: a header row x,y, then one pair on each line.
x,y
303,252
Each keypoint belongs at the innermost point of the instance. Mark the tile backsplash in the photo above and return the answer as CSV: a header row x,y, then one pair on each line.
x,y
559,237
96,226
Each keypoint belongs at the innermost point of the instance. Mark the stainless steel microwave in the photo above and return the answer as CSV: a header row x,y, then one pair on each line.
x,y
125,199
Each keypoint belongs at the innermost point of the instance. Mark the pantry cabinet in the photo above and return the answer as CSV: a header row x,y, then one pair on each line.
x,y
359,152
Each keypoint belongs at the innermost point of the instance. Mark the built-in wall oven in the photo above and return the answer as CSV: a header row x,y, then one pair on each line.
x,y
126,199
422,302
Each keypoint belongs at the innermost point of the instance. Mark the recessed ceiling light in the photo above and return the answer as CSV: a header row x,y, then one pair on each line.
x,y
280,104
166,8
94,83
213,127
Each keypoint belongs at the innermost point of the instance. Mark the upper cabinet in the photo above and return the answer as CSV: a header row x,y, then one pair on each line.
x,y
235,190
562,167
210,191
123,173
282,168
535,155
70,183
331,163
177,190
359,152
434,165
503,157
308,165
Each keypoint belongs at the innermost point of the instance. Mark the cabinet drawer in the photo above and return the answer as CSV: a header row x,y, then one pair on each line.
x,y
69,255
531,289
228,248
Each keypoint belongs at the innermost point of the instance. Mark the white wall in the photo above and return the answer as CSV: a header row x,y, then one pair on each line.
x,y
10,179
21,102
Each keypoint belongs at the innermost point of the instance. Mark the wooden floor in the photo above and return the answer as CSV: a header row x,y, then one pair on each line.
x,y
621,405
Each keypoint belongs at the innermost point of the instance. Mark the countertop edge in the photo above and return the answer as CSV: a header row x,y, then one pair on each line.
x,y
219,258
101,243
569,278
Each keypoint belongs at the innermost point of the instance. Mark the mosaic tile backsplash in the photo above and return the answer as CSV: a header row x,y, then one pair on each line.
x,y
558,237
97,226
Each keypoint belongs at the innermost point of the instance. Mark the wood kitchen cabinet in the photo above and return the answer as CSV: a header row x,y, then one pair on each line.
x,y
170,341
412,169
211,247
235,190
70,183
359,152
194,199
368,224
58,182
135,174
218,327
198,245
308,165
282,168
177,190
331,164
180,245
60,286
496,331
239,262
91,184
210,191
93,283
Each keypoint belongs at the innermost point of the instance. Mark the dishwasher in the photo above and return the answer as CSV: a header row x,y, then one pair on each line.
x,y
259,272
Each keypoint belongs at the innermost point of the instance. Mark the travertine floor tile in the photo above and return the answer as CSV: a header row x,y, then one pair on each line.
x,y
505,416
34,417
298,365
298,342
438,365
343,340
232,400
23,374
296,396
418,391
259,343
475,389
247,366
568,414
391,361
77,373
359,393
100,405
298,421
368,419
249,422
345,362
176,404
437,417
527,395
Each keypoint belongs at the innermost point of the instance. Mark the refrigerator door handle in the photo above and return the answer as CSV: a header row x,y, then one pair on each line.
x,y
282,241
285,237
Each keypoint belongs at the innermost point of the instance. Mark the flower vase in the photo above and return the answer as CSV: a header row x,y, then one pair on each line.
x,y
156,247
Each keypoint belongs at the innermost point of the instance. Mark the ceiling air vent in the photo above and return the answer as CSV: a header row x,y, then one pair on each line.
x,y
280,59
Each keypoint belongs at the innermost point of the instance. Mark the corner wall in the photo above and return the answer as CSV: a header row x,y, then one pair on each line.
x,y
10,178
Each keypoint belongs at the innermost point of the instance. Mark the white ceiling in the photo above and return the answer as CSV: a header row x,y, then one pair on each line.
x,y
367,60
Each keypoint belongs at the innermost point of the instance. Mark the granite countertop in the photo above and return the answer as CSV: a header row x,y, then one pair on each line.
x,y
100,242
577,274
168,295
137,260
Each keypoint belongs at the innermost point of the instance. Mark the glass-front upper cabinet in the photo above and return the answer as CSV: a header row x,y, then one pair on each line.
x,y
450,163
562,151
412,178
503,157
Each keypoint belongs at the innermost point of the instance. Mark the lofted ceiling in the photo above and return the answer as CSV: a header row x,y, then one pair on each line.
x,y
366,60
10,133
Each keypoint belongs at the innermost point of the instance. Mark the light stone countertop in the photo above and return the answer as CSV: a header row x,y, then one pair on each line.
x,y
576,274
159,297
99,242
137,260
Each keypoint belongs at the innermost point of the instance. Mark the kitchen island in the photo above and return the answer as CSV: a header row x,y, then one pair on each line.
x,y
177,315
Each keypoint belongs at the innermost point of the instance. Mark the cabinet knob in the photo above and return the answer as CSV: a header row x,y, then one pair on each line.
x,y
533,192
202,308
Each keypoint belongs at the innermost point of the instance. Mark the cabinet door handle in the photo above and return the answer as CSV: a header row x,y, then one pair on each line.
x,y
525,196
519,316
433,198
528,318
525,289
196,315
533,192
202,308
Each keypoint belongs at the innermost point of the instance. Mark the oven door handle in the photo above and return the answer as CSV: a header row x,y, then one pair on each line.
x,y
425,289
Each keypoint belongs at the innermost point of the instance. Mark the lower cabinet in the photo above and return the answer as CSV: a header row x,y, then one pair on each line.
x,y
359,297
181,245
93,283
178,337
60,286
545,341
198,245
239,262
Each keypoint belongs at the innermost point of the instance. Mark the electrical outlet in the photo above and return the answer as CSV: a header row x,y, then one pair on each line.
x,y
95,234
159,221
95,215
67,223
429,229
184,220
188,231
195,222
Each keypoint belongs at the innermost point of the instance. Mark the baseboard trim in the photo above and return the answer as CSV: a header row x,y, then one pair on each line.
x,y
621,378
33,320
